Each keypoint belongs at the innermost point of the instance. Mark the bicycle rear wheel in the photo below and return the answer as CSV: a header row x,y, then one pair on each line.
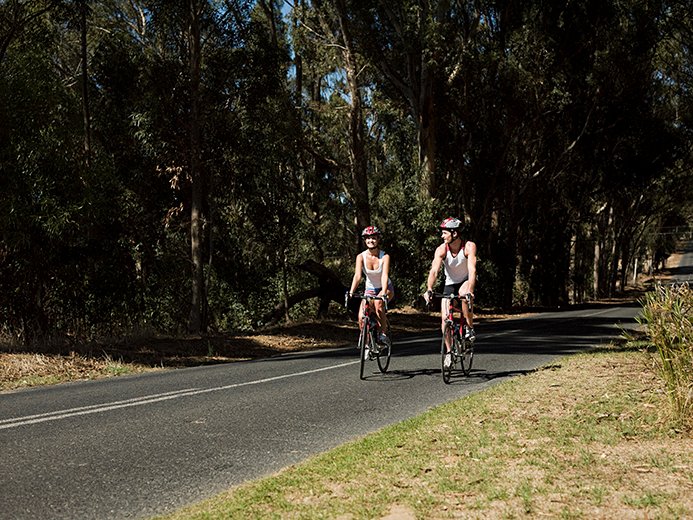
x,y
363,346
448,334
384,356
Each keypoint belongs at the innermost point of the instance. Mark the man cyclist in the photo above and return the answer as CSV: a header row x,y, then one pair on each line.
x,y
374,263
458,257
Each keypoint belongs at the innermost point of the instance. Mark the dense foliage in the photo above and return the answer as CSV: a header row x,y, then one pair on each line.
x,y
174,164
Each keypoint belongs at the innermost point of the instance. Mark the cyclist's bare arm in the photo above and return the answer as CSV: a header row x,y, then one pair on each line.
x,y
438,258
470,253
385,277
358,269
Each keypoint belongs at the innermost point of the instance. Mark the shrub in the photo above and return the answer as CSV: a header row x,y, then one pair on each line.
x,y
668,315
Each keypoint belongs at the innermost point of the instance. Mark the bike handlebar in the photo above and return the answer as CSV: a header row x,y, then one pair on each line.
x,y
468,296
367,297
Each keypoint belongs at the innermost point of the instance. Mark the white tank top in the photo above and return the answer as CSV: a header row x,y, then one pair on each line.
x,y
373,277
456,270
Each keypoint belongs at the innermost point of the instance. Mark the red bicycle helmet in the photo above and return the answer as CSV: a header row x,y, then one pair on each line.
x,y
370,230
450,224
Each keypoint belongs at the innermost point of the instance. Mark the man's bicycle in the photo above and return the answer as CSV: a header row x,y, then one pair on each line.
x,y
455,342
369,346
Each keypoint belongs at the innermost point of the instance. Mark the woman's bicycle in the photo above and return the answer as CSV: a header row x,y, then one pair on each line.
x,y
456,347
369,346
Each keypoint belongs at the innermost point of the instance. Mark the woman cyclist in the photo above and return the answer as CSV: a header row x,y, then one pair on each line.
x,y
374,263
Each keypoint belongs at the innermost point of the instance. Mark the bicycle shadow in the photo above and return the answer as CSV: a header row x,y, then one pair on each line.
x,y
475,375
401,375
457,376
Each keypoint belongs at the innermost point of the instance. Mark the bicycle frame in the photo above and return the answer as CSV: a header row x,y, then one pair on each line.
x,y
368,335
455,347
461,326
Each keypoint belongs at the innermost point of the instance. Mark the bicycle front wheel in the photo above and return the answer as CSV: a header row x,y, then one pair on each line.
x,y
466,355
384,356
363,347
446,357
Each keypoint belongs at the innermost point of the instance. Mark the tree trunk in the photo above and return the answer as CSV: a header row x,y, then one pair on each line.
x,y
427,135
298,63
85,83
198,299
357,149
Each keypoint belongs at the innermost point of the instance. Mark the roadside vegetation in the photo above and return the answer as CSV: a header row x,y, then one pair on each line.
x,y
668,314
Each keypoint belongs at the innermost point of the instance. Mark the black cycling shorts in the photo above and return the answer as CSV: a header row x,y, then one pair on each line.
x,y
454,288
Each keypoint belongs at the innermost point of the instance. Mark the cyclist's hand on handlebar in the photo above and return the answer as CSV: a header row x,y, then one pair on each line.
x,y
428,300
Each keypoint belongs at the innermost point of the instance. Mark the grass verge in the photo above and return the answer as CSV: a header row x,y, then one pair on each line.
x,y
23,370
590,437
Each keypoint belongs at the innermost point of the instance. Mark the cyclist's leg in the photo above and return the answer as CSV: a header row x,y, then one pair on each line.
x,y
444,308
447,360
445,305
361,307
381,316
382,311
468,315
467,312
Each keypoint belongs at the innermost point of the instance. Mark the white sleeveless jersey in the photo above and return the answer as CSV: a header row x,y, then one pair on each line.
x,y
456,270
373,277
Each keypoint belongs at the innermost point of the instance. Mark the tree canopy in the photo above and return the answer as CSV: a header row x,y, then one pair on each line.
x,y
196,165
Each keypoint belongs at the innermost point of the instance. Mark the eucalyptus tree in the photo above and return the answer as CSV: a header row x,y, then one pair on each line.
x,y
182,45
416,46
638,144
324,33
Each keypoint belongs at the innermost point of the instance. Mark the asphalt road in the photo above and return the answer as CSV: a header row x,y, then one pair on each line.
x,y
136,446
683,273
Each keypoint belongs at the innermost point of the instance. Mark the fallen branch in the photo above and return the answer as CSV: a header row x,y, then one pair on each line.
x,y
330,288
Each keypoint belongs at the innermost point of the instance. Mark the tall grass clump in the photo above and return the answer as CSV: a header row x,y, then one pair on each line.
x,y
668,316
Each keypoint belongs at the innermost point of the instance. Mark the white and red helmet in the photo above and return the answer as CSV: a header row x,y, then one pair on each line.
x,y
370,230
450,224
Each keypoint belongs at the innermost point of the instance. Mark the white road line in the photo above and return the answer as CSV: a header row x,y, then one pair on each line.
x,y
149,399
91,407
